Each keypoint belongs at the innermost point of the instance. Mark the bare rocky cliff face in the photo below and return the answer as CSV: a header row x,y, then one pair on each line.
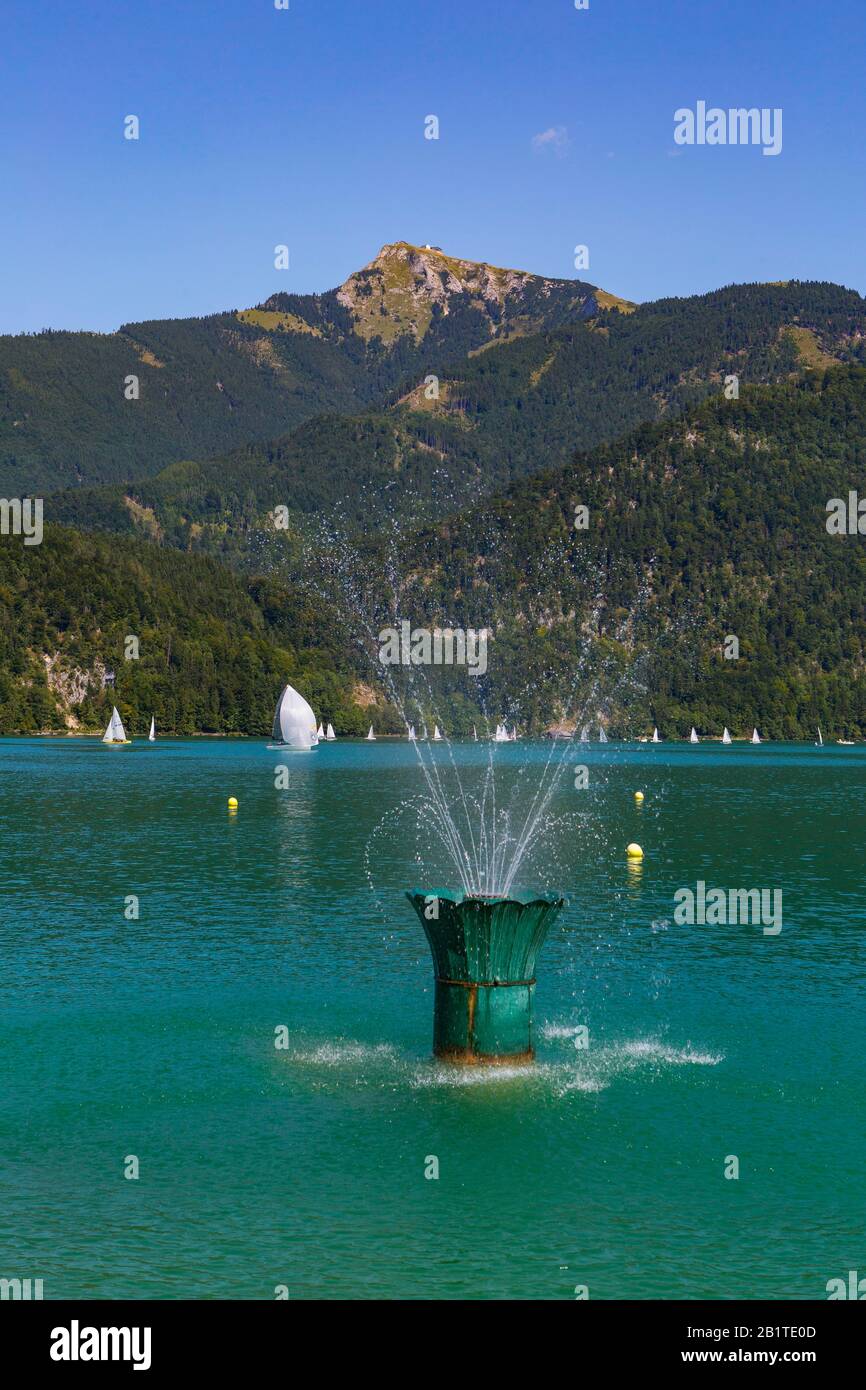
x,y
405,286
406,291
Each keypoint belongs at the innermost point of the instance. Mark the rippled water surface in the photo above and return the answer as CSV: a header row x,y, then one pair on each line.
x,y
304,1165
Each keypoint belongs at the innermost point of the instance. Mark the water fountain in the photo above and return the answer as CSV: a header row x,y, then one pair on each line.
x,y
485,935
484,951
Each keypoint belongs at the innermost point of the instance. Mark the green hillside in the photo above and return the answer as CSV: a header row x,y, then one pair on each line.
x,y
213,651
209,385
518,407
710,525
699,527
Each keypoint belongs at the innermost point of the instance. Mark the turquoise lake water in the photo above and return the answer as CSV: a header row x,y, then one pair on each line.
x,y
304,1166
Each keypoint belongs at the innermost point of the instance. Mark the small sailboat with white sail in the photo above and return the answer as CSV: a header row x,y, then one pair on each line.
x,y
320,732
655,737
294,722
584,734
756,737
115,734
693,736
602,736
151,738
726,737
820,743
371,737
437,737
329,734
411,734
474,734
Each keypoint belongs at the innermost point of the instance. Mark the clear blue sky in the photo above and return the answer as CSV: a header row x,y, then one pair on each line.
x,y
305,127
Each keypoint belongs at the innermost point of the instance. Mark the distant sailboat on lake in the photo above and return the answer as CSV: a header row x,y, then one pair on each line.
x,y
655,737
320,732
411,734
294,722
820,743
330,735
371,737
474,734
602,736
693,736
726,737
437,737
151,738
115,734
756,737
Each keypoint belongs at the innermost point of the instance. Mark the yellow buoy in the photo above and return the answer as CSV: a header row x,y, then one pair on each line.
x,y
638,796
634,851
233,803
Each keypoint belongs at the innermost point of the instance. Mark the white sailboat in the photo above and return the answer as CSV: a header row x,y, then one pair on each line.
x,y
294,722
584,734
329,734
501,735
151,738
371,737
474,734
602,736
655,737
437,737
115,734
320,732
411,733
693,737
756,737
820,743
726,737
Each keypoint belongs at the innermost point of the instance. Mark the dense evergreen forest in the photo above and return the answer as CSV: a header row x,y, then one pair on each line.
x,y
209,385
517,407
708,526
213,651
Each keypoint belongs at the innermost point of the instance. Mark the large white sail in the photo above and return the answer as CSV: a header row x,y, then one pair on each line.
x,y
371,737
656,738
320,732
584,734
115,733
756,737
294,721
726,737
602,736
820,743
151,738
329,734
437,737
693,736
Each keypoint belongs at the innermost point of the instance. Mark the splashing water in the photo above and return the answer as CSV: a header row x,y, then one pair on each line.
x,y
488,829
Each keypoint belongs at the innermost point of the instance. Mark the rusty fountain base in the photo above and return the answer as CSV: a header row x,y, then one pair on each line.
x,y
484,951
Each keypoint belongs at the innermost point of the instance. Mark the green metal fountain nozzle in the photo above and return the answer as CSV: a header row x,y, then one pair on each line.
x,y
484,951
